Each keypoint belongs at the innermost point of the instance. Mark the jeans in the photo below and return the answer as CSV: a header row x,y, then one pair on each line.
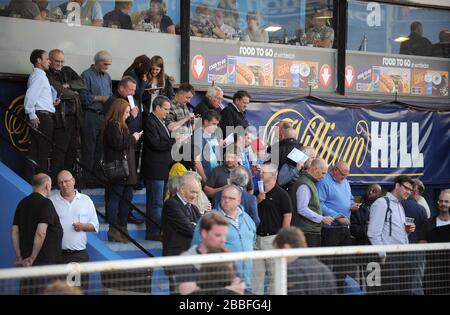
x,y
117,209
156,190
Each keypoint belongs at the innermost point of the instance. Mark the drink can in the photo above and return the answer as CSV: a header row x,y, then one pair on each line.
x,y
376,79
428,84
295,75
231,70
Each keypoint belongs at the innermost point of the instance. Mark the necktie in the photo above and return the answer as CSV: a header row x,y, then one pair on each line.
x,y
191,212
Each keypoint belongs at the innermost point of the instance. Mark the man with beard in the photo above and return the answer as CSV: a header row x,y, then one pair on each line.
x,y
437,230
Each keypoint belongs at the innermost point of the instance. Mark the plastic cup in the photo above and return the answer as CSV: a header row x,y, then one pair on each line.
x,y
409,223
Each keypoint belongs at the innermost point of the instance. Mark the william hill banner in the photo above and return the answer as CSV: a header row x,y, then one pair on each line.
x,y
378,143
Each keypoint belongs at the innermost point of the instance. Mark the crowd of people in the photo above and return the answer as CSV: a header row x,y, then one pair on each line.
x,y
211,184
222,21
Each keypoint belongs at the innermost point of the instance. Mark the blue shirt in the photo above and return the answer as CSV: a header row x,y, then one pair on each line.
x,y
379,230
96,11
335,198
241,237
97,84
39,94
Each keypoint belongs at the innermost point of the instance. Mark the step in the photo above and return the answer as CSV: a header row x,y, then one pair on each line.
x,y
136,231
129,250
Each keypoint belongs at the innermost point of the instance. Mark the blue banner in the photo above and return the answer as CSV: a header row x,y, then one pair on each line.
x,y
378,143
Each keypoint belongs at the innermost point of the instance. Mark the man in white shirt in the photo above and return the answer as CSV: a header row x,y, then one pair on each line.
x,y
77,215
40,101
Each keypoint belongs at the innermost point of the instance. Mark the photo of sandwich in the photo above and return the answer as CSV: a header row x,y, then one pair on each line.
x,y
254,71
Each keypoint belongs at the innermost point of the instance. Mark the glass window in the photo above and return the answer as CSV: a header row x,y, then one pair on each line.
x,y
395,29
292,22
143,15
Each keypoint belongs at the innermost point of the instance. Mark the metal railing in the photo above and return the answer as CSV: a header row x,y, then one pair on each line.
x,y
391,269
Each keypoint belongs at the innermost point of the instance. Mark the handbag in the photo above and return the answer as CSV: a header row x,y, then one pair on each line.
x,y
116,170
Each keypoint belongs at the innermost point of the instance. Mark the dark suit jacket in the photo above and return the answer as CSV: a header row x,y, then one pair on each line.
x,y
231,117
177,226
203,107
285,147
156,155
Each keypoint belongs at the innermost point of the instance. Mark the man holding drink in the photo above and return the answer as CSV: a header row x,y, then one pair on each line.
x,y
388,225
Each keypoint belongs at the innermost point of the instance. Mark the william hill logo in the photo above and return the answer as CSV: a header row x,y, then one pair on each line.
x,y
392,144
18,131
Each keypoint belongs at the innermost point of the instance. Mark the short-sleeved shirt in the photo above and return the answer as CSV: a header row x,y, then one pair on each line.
x,y
117,18
26,8
321,33
165,23
31,211
272,209
220,175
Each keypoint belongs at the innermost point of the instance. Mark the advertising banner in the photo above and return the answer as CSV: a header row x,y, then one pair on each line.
x,y
390,74
244,64
378,143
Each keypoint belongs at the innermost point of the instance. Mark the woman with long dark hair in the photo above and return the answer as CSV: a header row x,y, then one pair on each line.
x,y
139,70
119,145
159,80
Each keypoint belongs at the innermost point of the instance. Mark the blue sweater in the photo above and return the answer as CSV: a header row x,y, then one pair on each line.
x,y
241,240
335,198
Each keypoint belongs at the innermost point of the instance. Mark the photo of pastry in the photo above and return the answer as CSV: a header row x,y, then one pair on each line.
x,y
429,83
296,74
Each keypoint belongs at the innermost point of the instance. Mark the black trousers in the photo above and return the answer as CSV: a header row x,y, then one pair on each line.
x,y
40,148
66,137
92,145
341,265
77,257
313,240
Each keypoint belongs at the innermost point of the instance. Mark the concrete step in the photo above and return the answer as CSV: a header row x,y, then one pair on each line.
x,y
129,250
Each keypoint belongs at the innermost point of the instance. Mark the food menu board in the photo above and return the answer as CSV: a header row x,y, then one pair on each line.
x,y
405,75
246,64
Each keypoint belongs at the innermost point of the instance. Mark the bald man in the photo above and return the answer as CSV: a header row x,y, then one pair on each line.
x,y
307,214
336,201
359,220
36,231
77,215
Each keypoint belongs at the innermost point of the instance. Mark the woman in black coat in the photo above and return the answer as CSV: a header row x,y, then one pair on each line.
x,y
140,71
118,145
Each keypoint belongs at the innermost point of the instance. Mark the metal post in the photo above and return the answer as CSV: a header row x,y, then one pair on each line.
x,y
280,276
185,40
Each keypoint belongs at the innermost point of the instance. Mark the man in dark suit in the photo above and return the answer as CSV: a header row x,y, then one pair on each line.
x,y
179,219
234,114
180,216
156,161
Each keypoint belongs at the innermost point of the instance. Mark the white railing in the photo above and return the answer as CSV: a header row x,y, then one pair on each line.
x,y
278,257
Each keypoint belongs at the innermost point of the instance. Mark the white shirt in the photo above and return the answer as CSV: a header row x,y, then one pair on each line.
x,y
39,94
440,222
82,210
